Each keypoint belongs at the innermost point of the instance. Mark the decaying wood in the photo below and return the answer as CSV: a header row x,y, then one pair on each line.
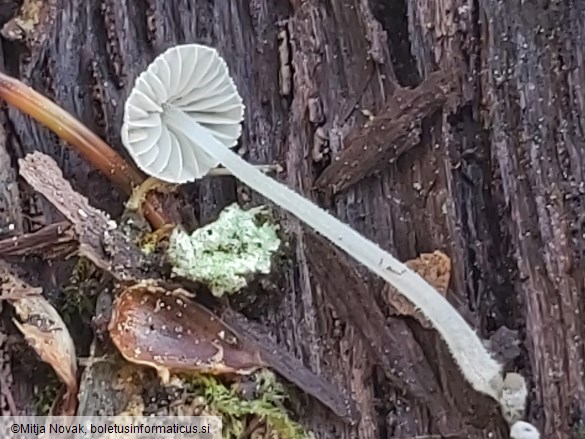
x,y
109,249
537,141
7,403
52,241
404,365
12,287
166,330
106,387
10,204
10,223
496,184
44,330
389,134
99,239
8,9
506,346
435,268
291,368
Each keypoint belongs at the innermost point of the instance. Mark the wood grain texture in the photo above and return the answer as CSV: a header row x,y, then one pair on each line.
x,y
496,182
533,85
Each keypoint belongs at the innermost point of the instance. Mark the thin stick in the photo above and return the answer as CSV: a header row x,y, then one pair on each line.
x,y
87,143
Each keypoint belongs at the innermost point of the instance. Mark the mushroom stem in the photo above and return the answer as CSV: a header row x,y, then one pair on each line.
x,y
476,364
223,172
87,143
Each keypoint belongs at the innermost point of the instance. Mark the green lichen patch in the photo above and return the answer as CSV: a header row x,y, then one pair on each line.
x,y
225,253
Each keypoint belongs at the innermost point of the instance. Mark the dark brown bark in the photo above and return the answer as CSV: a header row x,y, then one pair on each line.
x,y
496,180
392,132
52,241
534,74
104,244
98,236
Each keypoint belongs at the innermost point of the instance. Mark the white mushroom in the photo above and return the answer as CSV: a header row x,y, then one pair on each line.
x,y
187,83
524,430
182,117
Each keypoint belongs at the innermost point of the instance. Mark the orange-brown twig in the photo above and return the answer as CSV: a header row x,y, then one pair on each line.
x,y
88,144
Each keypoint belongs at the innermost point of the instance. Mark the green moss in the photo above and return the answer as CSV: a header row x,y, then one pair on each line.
x,y
267,405
76,300
45,397
225,253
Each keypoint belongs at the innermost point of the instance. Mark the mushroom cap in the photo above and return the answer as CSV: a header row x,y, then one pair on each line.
x,y
191,78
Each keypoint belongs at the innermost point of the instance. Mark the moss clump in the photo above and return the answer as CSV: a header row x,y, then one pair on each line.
x,y
224,253
266,406
44,398
76,300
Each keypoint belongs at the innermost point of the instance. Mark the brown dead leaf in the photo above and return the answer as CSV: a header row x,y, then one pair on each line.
x,y
163,329
435,268
154,326
45,332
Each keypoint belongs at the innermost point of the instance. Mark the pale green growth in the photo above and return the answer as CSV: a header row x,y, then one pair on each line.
x,y
225,253
266,405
